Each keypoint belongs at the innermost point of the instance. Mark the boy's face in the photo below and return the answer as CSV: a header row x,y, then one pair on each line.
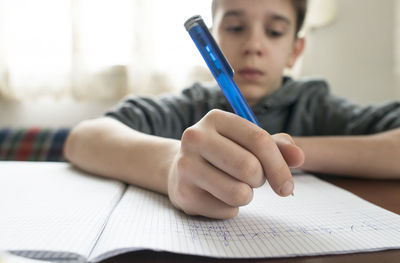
x,y
259,40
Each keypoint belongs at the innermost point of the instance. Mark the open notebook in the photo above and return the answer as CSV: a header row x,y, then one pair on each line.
x,y
51,211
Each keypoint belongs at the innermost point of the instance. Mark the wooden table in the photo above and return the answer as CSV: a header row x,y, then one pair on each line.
x,y
383,193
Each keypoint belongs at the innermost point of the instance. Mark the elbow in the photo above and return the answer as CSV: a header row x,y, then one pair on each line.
x,y
77,139
72,141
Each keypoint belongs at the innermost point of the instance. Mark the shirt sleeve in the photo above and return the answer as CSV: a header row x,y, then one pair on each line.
x,y
169,115
337,116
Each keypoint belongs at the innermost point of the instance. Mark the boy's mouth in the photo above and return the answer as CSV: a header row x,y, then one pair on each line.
x,y
251,74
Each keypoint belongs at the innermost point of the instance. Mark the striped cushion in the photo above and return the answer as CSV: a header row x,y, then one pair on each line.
x,y
34,144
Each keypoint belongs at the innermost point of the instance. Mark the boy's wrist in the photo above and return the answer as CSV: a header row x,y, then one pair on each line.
x,y
169,166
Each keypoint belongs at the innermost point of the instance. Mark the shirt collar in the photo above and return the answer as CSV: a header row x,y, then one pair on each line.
x,y
282,97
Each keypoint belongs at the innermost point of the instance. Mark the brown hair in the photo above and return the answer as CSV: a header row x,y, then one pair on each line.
x,y
300,6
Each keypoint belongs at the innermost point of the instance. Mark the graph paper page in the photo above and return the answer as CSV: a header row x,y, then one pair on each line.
x,y
320,219
51,211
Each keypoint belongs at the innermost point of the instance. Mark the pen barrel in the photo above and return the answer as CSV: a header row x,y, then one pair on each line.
x,y
235,98
219,67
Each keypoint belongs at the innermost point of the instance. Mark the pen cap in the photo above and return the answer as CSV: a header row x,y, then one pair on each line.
x,y
194,20
206,36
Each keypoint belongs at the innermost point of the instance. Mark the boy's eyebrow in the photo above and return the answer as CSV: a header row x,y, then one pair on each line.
x,y
281,18
233,13
274,17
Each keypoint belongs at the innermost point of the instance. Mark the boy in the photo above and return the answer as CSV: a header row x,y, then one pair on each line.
x,y
207,161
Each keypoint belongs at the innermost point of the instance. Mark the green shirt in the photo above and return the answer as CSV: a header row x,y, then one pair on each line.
x,y
300,108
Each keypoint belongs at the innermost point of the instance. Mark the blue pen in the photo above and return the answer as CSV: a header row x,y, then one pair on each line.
x,y
218,66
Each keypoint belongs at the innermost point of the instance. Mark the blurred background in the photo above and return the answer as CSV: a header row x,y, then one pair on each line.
x,y
63,61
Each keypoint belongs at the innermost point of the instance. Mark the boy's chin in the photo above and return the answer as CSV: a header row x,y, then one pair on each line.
x,y
253,94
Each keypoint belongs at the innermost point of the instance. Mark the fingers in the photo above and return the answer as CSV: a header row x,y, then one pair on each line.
x,y
202,203
201,189
261,144
193,170
225,155
219,184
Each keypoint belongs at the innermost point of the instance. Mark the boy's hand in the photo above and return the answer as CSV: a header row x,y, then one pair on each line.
x,y
222,158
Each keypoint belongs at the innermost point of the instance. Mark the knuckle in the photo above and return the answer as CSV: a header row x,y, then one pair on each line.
x,y
191,136
213,115
261,138
250,170
241,194
258,134
214,112
263,142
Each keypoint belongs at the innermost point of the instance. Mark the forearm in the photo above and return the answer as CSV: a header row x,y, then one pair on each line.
x,y
374,156
109,148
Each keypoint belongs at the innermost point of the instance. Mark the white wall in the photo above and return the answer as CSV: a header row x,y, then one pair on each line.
x,y
356,53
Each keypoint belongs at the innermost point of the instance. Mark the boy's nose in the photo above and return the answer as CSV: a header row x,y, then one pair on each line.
x,y
254,44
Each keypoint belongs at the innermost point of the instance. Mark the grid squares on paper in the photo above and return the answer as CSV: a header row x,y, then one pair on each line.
x,y
319,219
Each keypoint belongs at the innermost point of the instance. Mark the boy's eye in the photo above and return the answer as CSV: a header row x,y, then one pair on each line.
x,y
235,29
274,33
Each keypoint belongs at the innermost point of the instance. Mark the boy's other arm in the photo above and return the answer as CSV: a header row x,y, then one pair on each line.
x,y
373,156
107,147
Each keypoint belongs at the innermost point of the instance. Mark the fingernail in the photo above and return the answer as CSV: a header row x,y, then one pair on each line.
x,y
286,188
